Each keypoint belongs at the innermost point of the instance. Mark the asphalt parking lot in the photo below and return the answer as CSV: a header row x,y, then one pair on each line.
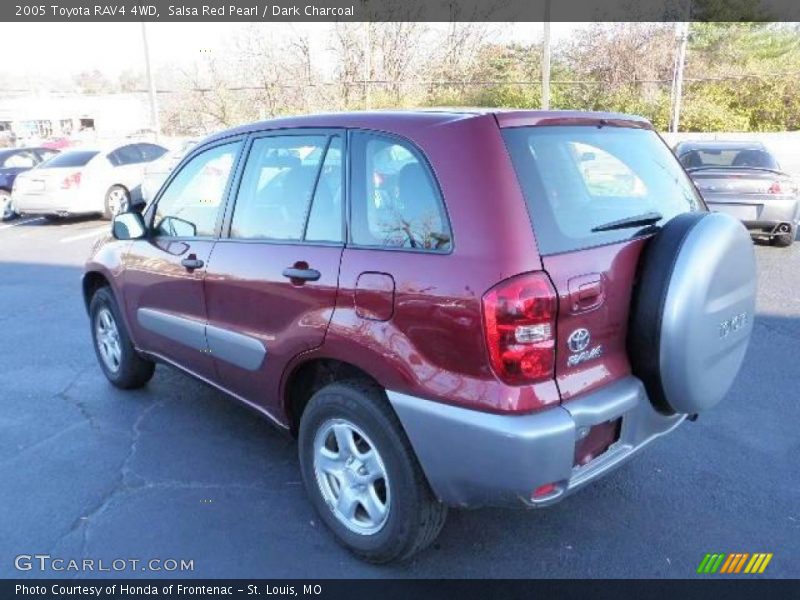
x,y
178,471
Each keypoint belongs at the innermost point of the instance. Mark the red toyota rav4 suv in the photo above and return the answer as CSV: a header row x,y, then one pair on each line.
x,y
447,308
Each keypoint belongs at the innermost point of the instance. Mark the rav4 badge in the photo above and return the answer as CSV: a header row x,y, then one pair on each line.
x,y
578,342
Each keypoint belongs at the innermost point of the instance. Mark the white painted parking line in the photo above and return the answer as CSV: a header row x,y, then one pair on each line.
x,y
22,222
97,232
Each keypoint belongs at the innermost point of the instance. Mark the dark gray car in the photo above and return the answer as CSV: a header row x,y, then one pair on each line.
x,y
744,180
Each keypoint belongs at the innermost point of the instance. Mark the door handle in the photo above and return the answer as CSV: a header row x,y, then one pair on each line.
x,y
191,263
294,273
586,292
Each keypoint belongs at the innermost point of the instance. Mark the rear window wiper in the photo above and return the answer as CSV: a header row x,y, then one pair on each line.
x,y
643,220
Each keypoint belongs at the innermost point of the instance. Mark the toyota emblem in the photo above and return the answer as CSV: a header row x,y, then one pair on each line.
x,y
578,340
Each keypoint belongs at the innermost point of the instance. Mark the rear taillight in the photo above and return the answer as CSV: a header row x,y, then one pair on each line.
x,y
520,321
775,188
72,180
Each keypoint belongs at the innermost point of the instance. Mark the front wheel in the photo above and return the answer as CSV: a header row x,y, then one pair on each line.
x,y
118,201
362,475
120,362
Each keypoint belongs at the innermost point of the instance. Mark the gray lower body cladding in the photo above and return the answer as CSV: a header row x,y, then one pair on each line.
x,y
235,348
473,459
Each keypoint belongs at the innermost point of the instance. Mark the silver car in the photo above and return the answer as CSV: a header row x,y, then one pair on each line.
x,y
744,180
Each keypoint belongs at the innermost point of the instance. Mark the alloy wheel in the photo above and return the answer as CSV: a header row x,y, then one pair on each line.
x,y
351,476
107,339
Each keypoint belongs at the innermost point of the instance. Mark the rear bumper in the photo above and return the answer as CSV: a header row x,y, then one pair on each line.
x,y
476,459
58,203
761,215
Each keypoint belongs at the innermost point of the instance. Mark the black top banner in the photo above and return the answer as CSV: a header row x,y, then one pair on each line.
x,y
401,10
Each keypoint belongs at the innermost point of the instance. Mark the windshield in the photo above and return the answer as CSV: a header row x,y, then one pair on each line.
x,y
728,157
76,158
576,179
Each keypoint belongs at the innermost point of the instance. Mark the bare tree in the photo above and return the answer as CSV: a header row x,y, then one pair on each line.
x,y
347,46
619,54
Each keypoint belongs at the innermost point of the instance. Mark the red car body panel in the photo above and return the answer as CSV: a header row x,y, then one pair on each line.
x,y
246,292
594,292
154,278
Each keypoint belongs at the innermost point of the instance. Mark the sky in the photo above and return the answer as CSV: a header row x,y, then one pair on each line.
x,y
65,49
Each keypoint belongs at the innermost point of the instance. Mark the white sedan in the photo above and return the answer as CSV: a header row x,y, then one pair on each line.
x,y
157,171
85,181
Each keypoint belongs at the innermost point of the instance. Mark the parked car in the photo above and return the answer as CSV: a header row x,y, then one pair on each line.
x,y
86,181
448,309
744,180
14,161
156,172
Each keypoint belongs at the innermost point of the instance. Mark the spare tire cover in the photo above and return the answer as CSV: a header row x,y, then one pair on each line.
x,y
692,311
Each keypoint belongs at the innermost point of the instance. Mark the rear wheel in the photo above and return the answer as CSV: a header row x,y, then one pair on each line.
x,y
120,362
362,475
785,240
118,200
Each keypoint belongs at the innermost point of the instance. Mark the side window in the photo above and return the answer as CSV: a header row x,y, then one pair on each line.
x,y
20,160
276,188
190,204
325,218
126,155
395,201
152,151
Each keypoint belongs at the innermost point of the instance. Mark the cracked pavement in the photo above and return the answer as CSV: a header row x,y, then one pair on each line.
x,y
177,470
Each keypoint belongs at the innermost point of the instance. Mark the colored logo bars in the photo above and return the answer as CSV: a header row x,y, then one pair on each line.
x,y
734,563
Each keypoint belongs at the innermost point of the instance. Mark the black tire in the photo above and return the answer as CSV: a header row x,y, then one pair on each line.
x,y
108,214
785,240
133,370
415,516
5,200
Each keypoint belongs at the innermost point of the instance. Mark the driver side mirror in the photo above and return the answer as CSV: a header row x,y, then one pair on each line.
x,y
128,226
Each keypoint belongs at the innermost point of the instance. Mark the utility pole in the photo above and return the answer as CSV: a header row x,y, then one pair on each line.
x,y
682,30
367,56
546,58
151,86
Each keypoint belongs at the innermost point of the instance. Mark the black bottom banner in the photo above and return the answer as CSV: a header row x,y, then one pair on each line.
x,y
390,589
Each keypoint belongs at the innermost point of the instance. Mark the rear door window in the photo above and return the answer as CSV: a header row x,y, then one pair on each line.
x,y
395,200
277,187
577,178
152,151
126,155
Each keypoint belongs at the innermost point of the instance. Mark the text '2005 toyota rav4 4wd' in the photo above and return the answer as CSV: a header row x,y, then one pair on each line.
x,y
449,309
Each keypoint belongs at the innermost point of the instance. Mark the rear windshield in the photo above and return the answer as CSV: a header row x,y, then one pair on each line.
x,y
74,158
576,178
728,157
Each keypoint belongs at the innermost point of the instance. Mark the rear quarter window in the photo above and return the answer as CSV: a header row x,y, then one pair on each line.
x,y
576,178
396,201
